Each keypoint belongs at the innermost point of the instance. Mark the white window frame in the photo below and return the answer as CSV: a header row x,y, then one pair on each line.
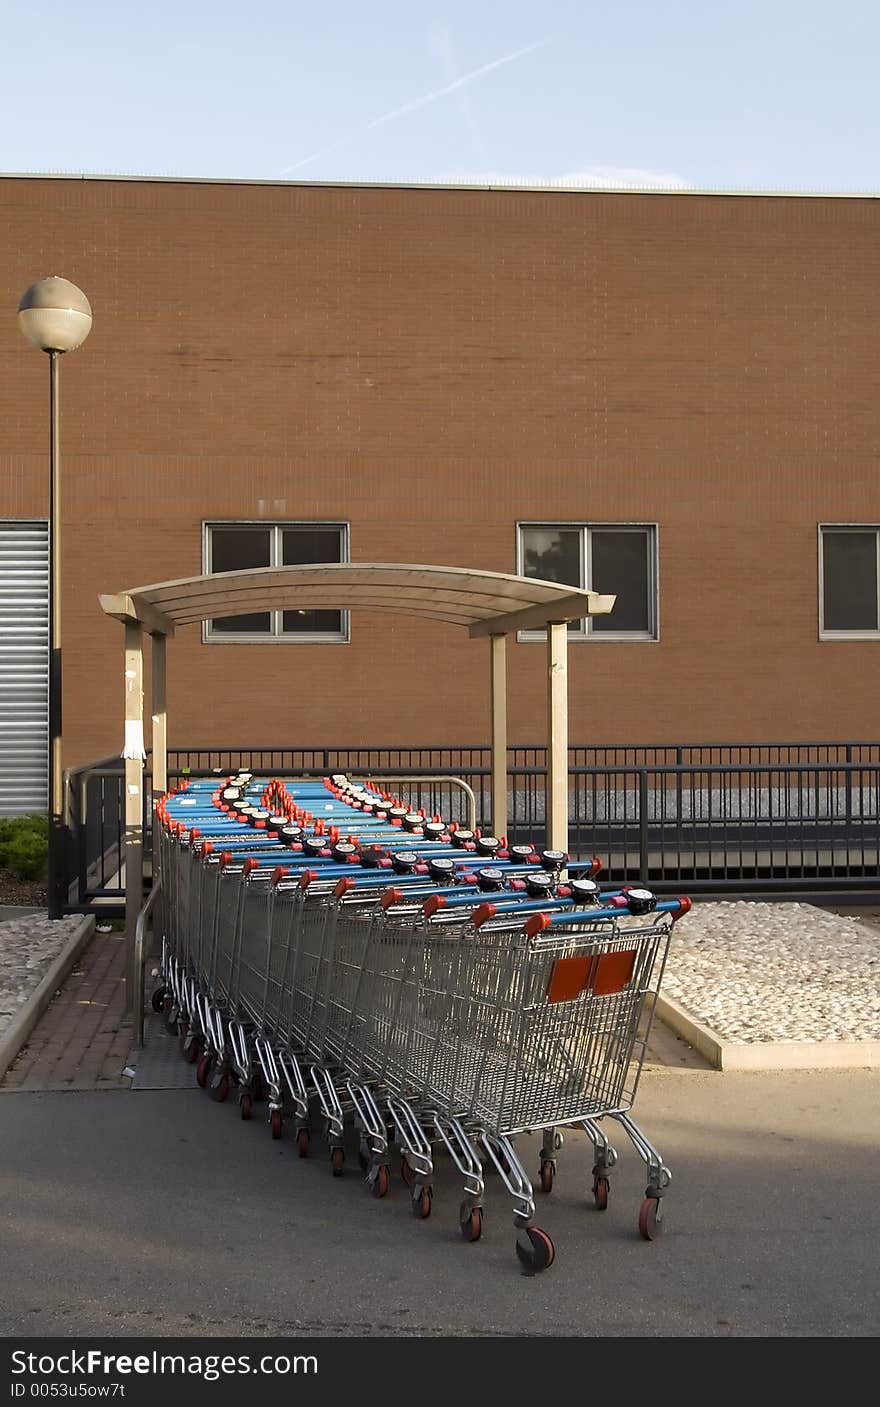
x,y
582,630
856,528
276,635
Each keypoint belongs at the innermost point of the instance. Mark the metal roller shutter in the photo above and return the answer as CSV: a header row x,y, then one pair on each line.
x,y
24,685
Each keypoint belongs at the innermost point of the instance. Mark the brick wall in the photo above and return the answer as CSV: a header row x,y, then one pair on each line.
x,y
432,366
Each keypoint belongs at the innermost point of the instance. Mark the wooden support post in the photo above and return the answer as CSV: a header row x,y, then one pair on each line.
x,y
133,754
557,736
498,646
160,718
160,741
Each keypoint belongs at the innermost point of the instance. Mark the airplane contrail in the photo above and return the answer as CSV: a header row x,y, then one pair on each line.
x,y
416,103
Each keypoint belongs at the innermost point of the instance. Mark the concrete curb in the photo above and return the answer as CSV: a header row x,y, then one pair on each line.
x,y
766,1055
23,1023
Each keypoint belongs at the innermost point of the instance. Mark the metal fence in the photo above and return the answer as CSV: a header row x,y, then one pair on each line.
x,y
359,760
768,820
95,822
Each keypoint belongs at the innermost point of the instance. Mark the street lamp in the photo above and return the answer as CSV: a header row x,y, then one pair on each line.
x,y
56,317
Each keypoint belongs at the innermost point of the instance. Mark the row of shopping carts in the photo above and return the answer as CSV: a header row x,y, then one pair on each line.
x,y
354,962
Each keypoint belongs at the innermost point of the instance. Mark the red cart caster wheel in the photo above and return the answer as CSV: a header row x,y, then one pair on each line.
x,y
534,1249
379,1185
421,1204
246,1103
547,1174
470,1220
601,1188
157,1000
203,1070
302,1143
337,1161
218,1089
651,1218
406,1173
193,1050
275,1123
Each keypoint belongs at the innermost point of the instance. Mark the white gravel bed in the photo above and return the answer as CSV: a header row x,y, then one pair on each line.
x,y
28,947
751,972
756,973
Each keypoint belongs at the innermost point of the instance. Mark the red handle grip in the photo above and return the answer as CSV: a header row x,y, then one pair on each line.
x,y
536,924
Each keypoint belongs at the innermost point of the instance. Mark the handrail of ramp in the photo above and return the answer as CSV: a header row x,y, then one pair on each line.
x,y
438,780
137,969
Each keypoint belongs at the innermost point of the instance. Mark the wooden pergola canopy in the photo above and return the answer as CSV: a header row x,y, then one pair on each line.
x,y
486,603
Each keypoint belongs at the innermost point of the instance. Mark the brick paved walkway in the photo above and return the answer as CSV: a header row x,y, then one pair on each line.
x,y
81,1041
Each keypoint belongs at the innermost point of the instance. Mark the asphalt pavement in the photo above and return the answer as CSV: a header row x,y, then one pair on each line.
x,y
159,1213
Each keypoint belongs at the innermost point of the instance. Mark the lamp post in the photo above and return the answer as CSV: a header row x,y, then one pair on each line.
x,y
56,317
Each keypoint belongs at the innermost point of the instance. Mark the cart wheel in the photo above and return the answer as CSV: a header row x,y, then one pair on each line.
x,y
182,1033
171,1025
535,1249
193,1050
547,1175
218,1089
601,1188
275,1123
379,1185
157,1000
651,1218
337,1161
421,1204
302,1143
203,1070
246,1105
470,1220
406,1172
363,1160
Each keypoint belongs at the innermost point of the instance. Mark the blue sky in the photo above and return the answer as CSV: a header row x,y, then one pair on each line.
x,y
713,94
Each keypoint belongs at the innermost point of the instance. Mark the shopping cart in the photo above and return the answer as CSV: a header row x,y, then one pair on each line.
x,y
428,1014
494,1030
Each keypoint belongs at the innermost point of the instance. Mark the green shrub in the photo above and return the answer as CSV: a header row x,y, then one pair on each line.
x,y
24,845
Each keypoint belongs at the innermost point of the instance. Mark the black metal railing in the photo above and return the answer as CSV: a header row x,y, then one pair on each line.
x,y
95,805
359,759
781,819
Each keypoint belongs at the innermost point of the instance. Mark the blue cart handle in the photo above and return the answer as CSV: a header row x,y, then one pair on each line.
x,y
539,922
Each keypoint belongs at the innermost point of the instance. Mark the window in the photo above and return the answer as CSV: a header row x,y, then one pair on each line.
x,y
233,547
849,570
614,558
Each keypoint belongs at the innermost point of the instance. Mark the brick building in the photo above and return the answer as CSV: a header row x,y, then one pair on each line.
x,y
673,397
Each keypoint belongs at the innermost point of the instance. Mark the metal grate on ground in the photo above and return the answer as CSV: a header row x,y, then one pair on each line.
x,y
159,1065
